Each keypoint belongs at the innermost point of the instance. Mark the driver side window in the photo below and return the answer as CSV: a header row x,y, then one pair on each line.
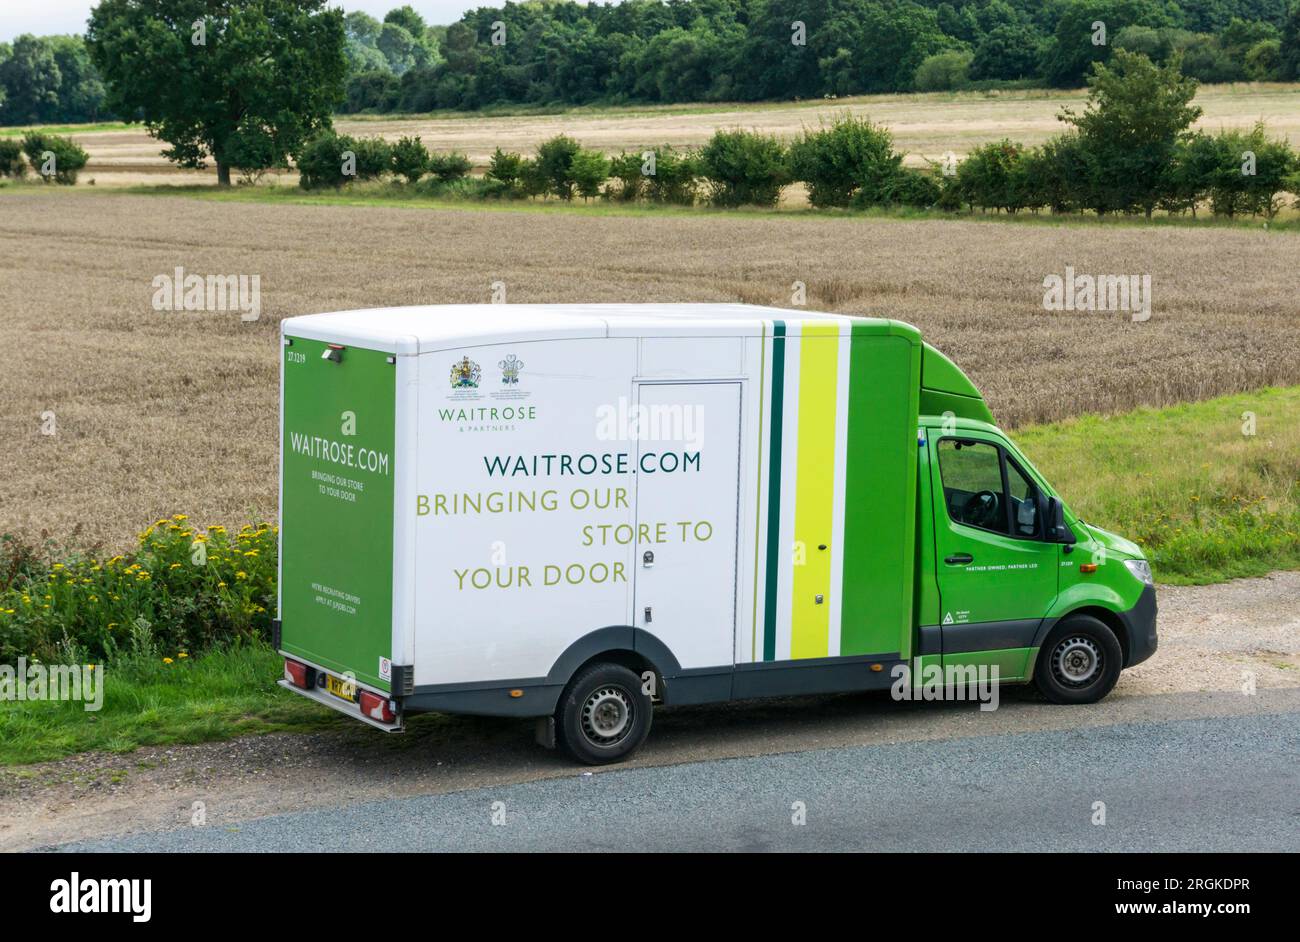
x,y
984,488
972,484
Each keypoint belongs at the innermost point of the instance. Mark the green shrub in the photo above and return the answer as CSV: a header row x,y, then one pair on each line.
x,y
839,161
914,188
331,159
183,590
674,177
56,159
532,178
1244,172
458,188
12,163
943,71
994,176
410,159
626,169
374,156
554,165
1056,174
448,167
504,169
321,162
590,170
950,196
744,168
1190,174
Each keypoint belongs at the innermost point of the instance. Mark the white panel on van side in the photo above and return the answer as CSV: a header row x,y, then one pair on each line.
x,y
691,357
688,474
525,503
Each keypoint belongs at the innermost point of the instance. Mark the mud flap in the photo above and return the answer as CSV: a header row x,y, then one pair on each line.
x,y
545,731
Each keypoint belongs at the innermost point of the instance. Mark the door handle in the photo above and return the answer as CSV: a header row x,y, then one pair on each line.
x,y
959,559
648,558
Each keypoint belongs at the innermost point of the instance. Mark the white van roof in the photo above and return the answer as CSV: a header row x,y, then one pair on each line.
x,y
409,330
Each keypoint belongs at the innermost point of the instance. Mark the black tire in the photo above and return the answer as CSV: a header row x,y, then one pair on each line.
x,y
1079,661
603,714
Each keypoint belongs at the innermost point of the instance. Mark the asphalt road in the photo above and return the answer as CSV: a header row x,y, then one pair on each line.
x,y
1212,784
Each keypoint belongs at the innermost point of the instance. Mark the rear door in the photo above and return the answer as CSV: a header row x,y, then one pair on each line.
x,y
687,505
336,509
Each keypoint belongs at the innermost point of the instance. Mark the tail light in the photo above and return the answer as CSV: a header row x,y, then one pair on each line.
x,y
300,675
377,707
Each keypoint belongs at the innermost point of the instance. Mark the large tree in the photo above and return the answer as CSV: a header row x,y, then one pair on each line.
x,y
244,82
31,80
1137,114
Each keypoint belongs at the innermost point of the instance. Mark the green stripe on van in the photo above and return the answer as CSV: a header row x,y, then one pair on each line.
x,y
774,492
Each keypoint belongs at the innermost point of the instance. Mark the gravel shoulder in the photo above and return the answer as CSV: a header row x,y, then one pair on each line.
x,y
1215,642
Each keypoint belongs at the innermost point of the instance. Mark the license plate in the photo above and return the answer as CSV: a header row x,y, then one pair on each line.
x,y
341,688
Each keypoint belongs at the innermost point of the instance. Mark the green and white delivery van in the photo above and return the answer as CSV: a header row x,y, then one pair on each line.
x,y
572,512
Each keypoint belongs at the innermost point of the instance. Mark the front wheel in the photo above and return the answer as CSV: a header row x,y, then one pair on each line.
x,y
603,715
1079,662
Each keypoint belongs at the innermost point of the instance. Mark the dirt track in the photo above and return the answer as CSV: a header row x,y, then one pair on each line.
x,y
1213,640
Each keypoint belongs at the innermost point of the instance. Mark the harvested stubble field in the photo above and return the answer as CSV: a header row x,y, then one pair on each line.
x,y
158,412
925,126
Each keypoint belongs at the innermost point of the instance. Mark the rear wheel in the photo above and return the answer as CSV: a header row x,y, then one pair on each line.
x,y
1079,662
603,715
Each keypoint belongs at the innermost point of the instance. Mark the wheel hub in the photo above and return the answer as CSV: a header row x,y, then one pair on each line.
x,y
606,716
1076,661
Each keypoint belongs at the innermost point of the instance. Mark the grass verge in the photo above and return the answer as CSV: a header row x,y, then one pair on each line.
x,y
1210,490
224,693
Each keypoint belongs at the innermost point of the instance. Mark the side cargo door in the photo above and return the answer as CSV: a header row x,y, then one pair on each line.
x,y
336,509
687,505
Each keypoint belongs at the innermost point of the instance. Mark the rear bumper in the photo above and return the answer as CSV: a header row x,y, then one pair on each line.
x,y
1140,622
345,707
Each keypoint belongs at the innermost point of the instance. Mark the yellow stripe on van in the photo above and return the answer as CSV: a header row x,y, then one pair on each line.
x,y
814,511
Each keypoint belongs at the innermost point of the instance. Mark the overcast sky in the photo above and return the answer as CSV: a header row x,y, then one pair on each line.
x,y
47,17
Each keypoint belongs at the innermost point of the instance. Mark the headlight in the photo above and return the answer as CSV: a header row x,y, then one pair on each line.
x,y
1140,568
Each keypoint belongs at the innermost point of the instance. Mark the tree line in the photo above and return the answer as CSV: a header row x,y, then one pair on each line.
x,y
563,52
1131,150
749,50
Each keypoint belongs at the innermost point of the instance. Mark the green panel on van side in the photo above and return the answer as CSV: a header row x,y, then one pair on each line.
x,y
1010,662
880,494
336,512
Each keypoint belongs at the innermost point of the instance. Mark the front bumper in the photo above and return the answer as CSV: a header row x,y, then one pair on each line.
x,y
1140,624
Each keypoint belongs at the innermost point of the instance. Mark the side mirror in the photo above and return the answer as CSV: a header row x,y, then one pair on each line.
x,y
1057,531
